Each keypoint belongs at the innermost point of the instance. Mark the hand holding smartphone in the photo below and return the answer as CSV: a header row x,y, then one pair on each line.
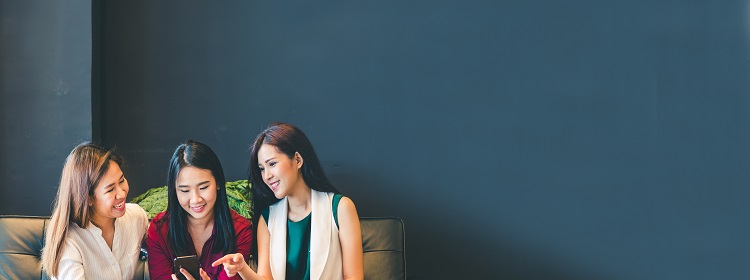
x,y
189,263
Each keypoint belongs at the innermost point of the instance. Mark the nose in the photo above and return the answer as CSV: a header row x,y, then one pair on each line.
x,y
195,198
121,190
267,175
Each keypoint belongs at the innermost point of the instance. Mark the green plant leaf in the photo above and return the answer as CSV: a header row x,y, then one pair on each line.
x,y
239,197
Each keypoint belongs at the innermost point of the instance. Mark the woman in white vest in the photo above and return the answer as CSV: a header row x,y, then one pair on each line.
x,y
305,229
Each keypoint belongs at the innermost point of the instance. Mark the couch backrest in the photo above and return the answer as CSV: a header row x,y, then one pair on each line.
x,y
21,243
384,248
22,239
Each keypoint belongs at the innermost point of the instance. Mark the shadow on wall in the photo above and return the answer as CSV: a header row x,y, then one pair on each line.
x,y
446,240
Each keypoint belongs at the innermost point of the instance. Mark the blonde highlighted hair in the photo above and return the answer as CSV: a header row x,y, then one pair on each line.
x,y
83,169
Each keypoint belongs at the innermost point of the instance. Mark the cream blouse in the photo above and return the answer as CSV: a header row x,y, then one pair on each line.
x,y
86,254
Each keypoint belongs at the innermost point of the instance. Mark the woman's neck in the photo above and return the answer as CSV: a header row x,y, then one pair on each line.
x,y
200,231
200,224
105,224
300,203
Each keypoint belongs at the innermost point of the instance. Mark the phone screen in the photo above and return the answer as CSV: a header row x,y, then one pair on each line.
x,y
189,263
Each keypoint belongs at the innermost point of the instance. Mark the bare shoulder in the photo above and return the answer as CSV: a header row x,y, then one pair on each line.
x,y
347,213
262,225
346,208
346,203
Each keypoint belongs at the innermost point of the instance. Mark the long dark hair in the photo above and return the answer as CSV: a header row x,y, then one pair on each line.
x,y
196,154
289,140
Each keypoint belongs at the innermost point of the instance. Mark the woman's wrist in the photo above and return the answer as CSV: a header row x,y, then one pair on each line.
x,y
245,267
246,272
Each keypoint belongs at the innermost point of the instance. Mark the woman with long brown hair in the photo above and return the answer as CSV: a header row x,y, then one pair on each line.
x,y
93,233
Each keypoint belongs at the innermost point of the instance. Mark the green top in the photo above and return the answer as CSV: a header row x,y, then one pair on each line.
x,y
298,242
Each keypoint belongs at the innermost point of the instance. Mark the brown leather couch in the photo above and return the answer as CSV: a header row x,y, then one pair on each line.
x,y
22,238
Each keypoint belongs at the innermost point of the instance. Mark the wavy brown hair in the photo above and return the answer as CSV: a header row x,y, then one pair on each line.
x,y
83,169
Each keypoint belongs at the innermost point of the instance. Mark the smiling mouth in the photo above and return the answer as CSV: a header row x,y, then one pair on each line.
x,y
198,209
274,185
120,206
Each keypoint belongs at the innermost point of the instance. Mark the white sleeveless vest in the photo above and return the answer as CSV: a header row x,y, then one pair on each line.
x,y
325,248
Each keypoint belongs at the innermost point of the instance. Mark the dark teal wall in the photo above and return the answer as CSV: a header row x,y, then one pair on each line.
x,y
517,139
45,97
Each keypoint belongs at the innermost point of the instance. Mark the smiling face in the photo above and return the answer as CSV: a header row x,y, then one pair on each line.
x,y
108,200
196,192
280,173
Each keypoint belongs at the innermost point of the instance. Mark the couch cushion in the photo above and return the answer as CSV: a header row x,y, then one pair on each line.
x,y
21,240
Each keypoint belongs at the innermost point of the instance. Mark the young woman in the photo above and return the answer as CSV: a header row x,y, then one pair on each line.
x,y
198,220
305,230
93,233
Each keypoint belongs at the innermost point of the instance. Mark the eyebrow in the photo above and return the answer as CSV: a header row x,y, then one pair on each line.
x,y
269,159
201,183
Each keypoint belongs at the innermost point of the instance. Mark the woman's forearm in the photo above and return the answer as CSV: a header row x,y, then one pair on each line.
x,y
248,273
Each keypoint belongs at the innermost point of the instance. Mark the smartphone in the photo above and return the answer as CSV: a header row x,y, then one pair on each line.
x,y
189,263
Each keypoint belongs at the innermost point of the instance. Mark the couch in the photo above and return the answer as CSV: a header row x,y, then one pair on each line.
x,y
22,238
